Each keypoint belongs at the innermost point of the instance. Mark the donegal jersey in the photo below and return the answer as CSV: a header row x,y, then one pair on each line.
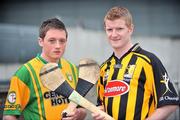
x,y
28,96
132,87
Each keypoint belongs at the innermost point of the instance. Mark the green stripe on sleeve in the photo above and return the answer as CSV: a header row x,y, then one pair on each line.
x,y
39,89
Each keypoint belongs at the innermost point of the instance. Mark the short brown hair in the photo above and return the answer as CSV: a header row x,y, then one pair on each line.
x,y
119,12
52,23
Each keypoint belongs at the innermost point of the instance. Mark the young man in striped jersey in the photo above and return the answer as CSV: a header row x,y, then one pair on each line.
x,y
134,84
27,95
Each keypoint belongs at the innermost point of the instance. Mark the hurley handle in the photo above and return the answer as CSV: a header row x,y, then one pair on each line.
x,y
77,98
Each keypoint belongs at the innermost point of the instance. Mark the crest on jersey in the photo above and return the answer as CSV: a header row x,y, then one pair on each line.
x,y
129,72
116,88
11,97
106,75
165,80
69,77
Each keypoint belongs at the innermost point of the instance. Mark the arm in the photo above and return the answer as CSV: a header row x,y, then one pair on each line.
x,y
165,94
162,113
18,93
9,117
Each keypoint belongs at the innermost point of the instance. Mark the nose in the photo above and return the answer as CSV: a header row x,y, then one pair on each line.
x,y
58,44
114,33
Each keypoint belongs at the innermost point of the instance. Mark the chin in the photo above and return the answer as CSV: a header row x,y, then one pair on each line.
x,y
57,57
115,46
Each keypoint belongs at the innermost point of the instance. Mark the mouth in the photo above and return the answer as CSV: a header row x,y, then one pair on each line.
x,y
57,52
115,40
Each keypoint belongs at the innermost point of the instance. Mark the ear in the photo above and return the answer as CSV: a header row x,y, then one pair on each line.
x,y
40,41
131,28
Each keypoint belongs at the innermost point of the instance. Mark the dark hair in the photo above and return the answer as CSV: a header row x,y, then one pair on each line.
x,y
52,23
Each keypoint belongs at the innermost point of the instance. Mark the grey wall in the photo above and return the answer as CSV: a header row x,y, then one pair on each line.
x,y
20,19
151,17
18,43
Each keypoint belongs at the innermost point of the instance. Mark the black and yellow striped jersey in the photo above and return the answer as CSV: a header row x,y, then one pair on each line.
x,y
132,87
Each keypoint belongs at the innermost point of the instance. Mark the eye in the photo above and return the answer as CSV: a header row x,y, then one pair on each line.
x,y
62,41
109,29
52,41
119,29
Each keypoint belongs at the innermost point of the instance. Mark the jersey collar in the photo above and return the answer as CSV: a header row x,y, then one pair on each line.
x,y
45,62
135,48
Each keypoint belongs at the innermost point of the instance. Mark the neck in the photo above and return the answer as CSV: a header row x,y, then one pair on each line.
x,y
121,51
48,59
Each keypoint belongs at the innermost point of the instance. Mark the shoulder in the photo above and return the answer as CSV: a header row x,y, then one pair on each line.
x,y
149,57
21,75
106,62
22,72
65,62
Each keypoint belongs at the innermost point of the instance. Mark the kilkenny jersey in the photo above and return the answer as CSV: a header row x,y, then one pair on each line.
x,y
29,97
132,87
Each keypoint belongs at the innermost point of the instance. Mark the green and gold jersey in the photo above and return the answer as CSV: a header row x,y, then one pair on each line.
x,y
132,87
29,97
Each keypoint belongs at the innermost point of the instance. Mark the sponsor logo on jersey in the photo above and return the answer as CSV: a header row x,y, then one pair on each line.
x,y
55,98
165,80
115,88
13,106
11,97
129,72
168,98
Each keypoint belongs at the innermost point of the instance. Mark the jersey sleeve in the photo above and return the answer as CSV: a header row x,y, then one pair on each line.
x,y
164,91
100,90
18,94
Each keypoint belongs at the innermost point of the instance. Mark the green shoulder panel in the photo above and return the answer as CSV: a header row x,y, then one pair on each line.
x,y
23,74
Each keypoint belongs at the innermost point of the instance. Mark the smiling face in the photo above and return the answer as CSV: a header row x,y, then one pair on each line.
x,y
53,44
119,27
118,33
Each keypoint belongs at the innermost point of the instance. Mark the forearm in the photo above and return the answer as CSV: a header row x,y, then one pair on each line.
x,y
9,117
162,113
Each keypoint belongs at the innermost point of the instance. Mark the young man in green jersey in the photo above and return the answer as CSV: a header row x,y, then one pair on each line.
x,y
27,95
134,84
